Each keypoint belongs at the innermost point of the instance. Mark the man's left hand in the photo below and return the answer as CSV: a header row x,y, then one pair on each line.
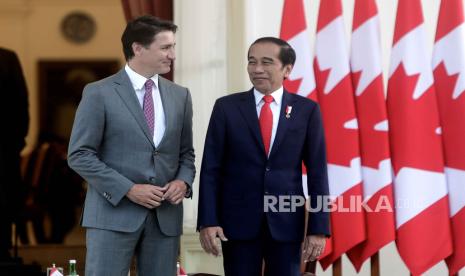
x,y
313,247
175,192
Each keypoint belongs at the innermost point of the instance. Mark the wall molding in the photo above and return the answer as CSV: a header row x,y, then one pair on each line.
x,y
194,259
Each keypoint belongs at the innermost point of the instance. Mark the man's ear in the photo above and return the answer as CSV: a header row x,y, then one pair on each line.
x,y
287,70
137,48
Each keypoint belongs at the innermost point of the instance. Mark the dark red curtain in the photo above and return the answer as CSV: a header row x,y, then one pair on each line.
x,y
160,8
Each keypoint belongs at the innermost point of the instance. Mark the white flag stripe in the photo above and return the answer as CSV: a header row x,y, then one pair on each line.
x,y
364,57
411,51
342,178
415,191
382,126
303,68
351,124
456,182
376,179
450,50
332,59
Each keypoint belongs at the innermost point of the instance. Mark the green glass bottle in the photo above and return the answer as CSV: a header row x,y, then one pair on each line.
x,y
72,268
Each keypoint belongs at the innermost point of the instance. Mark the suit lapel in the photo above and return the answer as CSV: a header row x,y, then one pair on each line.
x,y
249,111
128,95
283,122
168,105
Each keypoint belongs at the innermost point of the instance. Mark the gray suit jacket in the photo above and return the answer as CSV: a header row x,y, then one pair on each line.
x,y
111,148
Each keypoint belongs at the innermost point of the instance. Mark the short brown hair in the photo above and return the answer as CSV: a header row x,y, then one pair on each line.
x,y
143,30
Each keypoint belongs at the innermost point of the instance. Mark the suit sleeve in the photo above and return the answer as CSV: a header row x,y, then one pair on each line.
x,y
210,173
317,173
86,138
186,171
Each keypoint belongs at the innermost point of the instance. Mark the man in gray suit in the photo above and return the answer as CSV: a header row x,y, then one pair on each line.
x,y
132,143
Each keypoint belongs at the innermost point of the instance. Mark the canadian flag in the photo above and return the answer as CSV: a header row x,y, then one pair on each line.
x,y
335,95
449,77
302,79
422,213
372,117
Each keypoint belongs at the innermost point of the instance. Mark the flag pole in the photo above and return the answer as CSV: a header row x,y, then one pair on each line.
x,y
337,267
374,262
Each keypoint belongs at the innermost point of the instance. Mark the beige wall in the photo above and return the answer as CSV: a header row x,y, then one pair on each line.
x,y
32,29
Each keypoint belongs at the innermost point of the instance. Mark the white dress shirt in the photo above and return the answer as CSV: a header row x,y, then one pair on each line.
x,y
275,107
138,83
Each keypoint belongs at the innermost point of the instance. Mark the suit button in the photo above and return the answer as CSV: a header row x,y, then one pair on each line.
x,y
267,169
152,179
155,153
267,193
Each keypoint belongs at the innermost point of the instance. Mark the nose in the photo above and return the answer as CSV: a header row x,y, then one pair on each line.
x,y
172,54
257,69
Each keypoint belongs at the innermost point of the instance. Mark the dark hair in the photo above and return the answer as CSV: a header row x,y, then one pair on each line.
x,y
143,30
286,54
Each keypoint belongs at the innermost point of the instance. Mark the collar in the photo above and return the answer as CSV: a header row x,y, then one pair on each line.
x,y
277,96
137,80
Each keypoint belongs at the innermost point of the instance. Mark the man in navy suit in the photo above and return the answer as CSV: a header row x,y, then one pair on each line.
x,y
251,175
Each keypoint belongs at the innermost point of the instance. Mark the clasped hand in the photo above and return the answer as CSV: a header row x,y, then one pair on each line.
x,y
151,196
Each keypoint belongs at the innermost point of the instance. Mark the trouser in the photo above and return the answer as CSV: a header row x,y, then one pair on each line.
x,y
246,258
111,252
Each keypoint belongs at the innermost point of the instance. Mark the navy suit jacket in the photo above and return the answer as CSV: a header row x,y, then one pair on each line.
x,y
236,174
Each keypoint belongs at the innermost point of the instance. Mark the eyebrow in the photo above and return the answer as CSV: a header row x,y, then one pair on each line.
x,y
168,44
263,58
267,59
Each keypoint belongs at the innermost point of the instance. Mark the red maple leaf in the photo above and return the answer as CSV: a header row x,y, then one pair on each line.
x,y
371,110
292,85
452,115
412,124
337,109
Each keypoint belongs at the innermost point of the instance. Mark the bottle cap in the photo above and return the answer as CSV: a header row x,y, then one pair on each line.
x,y
72,261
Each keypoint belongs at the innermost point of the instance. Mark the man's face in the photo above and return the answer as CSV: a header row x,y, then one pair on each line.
x,y
266,71
158,56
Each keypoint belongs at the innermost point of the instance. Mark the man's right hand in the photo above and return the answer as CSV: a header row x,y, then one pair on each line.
x,y
147,195
209,241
